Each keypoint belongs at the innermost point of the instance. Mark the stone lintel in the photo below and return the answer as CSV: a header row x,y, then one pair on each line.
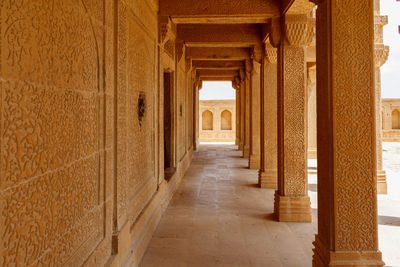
x,y
218,53
219,11
236,35
213,64
292,208
217,78
217,72
268,179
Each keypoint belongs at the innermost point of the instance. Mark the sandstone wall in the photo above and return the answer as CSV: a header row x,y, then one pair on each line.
x,y
81,179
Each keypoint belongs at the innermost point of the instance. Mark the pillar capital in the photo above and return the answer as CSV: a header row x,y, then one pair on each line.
x,y
299,30
236,83
256,53
179,49
167,29
275,32
270,53
381,54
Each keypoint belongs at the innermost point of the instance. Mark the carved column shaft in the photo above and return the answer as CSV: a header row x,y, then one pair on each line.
x,y
247,110
242,114
268,174
254,158
347,202
312,111
381,55
291,200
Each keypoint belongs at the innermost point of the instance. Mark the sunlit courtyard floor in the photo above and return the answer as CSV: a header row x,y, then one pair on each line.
x,y
219,217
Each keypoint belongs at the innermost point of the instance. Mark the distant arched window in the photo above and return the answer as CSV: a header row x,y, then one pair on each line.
x,y
207,118
395,119
226,120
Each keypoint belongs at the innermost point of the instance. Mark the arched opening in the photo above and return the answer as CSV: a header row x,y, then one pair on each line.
x,y
395,119
226,120
207,118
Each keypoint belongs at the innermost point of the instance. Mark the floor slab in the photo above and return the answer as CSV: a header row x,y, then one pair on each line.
x,y
219,217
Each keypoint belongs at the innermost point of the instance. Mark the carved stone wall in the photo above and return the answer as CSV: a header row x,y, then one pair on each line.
x,y
55,118
79,131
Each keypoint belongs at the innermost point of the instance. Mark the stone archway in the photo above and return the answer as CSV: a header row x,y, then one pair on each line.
x,y
207,120
226,120
395,119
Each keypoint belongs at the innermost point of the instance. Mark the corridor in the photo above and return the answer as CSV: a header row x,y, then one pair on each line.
x,y
219,217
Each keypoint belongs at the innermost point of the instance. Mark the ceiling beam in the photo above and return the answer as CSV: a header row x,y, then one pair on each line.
x,y
217,78
219,11
214,64
213,35
297,6
217,73
217,53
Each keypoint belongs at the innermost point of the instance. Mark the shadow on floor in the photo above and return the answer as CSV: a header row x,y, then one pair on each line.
x,y
388,220
268,217
252,185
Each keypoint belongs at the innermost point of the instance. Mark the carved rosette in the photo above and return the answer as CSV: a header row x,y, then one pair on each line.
x,y
299,30
381,54
271,54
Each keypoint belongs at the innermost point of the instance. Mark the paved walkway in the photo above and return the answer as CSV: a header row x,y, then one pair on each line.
x,y
218,217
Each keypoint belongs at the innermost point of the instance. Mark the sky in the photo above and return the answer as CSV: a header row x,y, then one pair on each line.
x,y
390,71
217,91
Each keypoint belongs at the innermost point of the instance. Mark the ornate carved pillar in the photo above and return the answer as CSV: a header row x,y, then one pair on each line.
x,y
268,173
236,86
254,158
198,85
347,201
242,109
292,202
381,55
247,110
312,110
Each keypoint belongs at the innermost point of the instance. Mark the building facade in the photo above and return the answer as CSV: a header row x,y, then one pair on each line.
x,y
217,121
391,119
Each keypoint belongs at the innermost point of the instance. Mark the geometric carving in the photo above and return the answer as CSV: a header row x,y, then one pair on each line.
x,y
381,54
299,29
271,55
51,87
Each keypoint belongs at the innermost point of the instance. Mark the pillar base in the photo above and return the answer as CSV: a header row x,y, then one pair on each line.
x,y
381,182
323,257
292,209
240,146
246,152
267,179
237,141
312,153
254,162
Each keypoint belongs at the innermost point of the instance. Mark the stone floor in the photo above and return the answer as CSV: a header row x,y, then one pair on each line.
x,y
218,217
